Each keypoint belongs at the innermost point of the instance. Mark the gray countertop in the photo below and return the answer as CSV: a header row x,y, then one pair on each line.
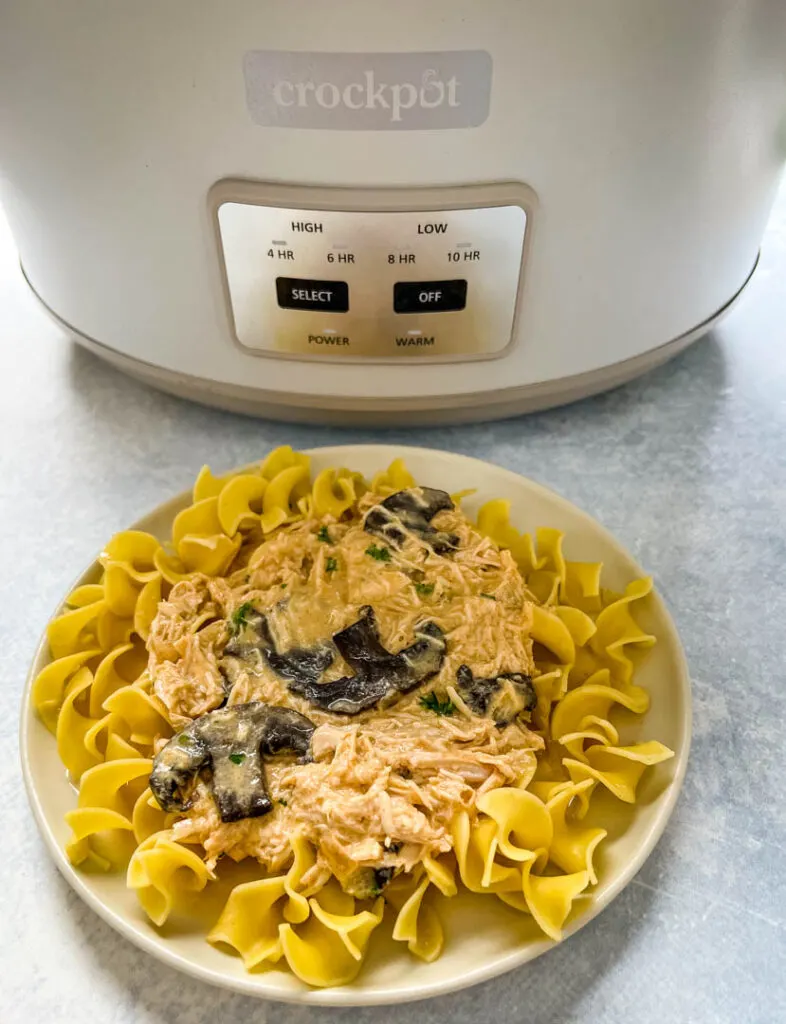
x,y
687,466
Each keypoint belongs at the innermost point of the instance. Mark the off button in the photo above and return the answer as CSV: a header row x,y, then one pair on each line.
x,y
299,293
429,296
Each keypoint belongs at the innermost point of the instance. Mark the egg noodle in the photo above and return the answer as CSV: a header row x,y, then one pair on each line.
x,y
433,700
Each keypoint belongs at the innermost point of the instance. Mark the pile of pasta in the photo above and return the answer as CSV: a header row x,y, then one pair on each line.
x,y
526,845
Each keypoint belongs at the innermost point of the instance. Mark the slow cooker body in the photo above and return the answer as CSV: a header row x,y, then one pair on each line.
x,y
390,212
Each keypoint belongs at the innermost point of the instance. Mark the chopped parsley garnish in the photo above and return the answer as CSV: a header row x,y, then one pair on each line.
x,y
431,702
378,554
283,586
323,535
183,741
489,597
331,565
239,618
283,803
424,589
237,758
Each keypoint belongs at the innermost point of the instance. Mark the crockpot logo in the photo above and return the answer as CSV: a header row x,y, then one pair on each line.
x,y
368,92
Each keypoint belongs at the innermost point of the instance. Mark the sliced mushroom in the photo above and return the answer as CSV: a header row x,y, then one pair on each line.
x,y
299,665
378,673
412,511
232,743
501,697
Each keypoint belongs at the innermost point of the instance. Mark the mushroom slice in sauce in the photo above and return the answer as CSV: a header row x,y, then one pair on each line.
x,y
378,673
232,743
299,665
411,511
501,697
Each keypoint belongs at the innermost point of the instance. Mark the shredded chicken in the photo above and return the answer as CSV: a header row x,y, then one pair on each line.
x,y
192,685
384,785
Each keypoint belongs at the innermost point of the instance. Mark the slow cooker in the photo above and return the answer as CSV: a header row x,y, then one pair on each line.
x,y
389,212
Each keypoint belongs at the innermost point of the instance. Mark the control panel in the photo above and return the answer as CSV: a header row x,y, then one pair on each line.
x,y
436,284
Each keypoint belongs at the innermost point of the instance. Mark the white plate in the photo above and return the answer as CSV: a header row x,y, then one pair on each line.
x,y
483,937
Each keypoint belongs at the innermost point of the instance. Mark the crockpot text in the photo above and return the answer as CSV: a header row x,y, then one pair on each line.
x,y
362,92
370,94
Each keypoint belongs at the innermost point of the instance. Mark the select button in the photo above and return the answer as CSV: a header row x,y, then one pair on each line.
x,y
429,296
326,296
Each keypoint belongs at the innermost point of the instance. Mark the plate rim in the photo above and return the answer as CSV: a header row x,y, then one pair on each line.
x,y
338,996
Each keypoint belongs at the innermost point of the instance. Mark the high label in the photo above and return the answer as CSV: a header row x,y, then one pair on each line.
x,y
368,91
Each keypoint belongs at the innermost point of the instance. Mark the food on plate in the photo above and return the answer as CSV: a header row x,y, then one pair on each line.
x,y
356,689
